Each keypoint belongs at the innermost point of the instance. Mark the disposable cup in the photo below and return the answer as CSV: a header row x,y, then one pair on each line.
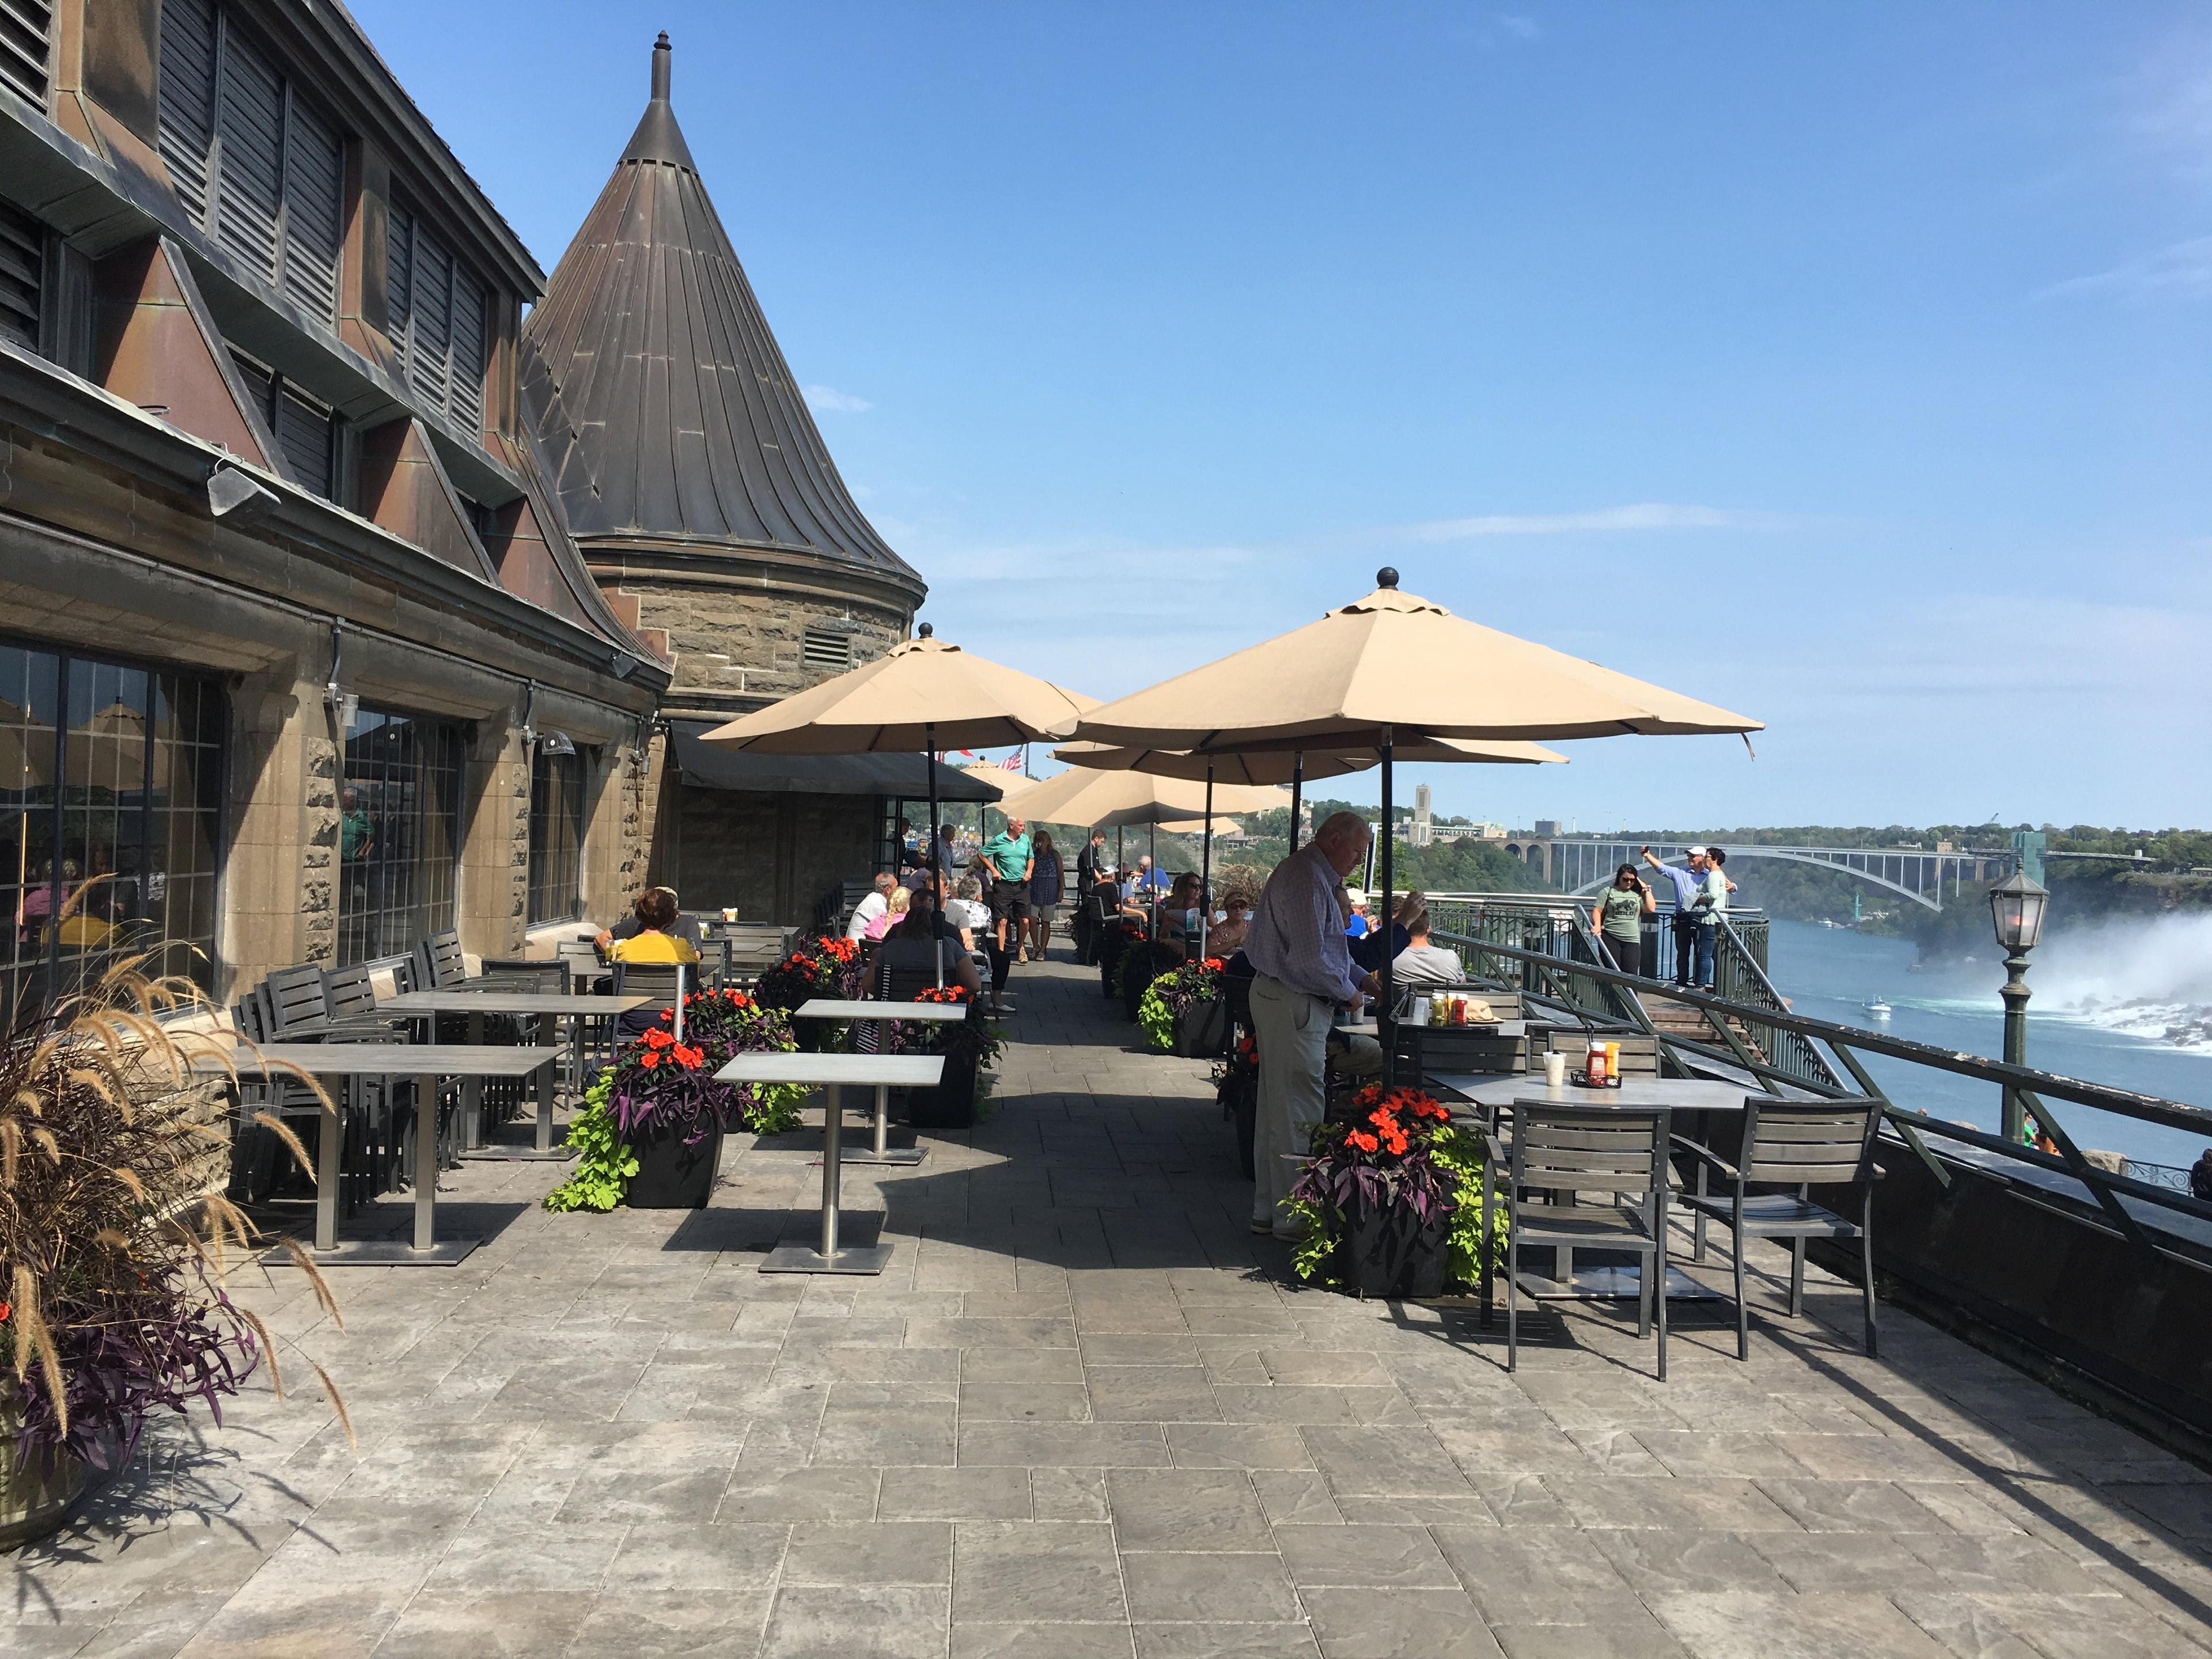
x,y
1555,1070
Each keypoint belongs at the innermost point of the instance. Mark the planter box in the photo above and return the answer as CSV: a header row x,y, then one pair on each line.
x,y
672,1175
1202,1031
38,1490
1111,943
951,1104
1388,1253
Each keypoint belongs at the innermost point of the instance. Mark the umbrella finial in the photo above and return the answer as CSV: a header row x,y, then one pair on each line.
x,y
1387,576
926,630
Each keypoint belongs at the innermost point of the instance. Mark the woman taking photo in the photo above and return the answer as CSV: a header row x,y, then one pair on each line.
x,y
1047,888
1618,914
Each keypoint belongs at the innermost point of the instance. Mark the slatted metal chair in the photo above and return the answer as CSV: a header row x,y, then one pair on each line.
x,y
1426,1049
295,1004
1562,1151
438,965
666,982
1793,1143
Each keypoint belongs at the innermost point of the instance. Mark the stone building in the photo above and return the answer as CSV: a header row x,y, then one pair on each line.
x,y
299,660
694,478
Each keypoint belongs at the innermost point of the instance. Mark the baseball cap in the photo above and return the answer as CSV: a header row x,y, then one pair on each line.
x,y
1695,853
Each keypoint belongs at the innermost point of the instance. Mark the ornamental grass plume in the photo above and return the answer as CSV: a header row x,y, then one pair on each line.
x,y
115,1238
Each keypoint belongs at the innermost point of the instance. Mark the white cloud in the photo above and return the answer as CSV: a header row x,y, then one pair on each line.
x,y
827,400
1641,515
2183,270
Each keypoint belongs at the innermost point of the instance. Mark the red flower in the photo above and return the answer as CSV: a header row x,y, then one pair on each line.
x,y
650,1059
4,1312
688,1057
1214,964
1361,1139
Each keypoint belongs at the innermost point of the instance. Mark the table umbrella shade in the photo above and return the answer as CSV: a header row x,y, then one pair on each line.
x,y
920,696
1392,666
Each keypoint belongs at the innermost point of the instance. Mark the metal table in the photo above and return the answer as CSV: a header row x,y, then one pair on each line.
x,y
426,1063
549,1007
1692,1101
833,1073
879,1013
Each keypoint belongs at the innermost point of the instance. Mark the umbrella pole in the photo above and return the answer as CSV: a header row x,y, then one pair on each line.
x,y
1383,1020
936,881
1298,793
1152,881
1205,867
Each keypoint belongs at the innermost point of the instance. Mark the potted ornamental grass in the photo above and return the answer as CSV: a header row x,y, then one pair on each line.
x,y
824,967
1390,1200
116,1239
968,1046
1182,1012
650,1132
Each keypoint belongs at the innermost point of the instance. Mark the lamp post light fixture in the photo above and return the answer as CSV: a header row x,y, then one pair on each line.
x,y
2016,907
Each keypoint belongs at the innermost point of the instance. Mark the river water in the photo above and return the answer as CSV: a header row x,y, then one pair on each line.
x,y
2128,1008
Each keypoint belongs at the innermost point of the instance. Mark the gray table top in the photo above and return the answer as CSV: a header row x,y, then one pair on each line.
x,y
381,1060
834,1008
1679,1093
456,999
1497,1028
899,1071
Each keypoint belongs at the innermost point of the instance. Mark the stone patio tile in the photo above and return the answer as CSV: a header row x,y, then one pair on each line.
x,y
1068,1495
1551,1575
1034,1641
1217,1641
1067,1402
1085,1445
1237,1446
1991,1564
1875,1506
1035,1570
1657,1564
1349,1555
1021,1365
493,1624
1676,1505
1192,1587
1384,1461
1414,1624
1137,1348
1747,1624
990,1333
1646,1640
1150,1394
870,1552
871,1433
330,1624
1845,1561
941,1494
1294,1402
1535,1447
882,1621
829,1494
726,1621
1186,1510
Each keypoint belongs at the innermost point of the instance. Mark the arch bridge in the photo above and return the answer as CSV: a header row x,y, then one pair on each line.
x,y
1583,864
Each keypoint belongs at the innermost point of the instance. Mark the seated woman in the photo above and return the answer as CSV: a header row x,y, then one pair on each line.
x,y
895,906
1421,962
1179,914
655,942
922,940
1226,936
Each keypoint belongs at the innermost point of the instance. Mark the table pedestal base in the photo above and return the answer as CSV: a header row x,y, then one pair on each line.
x,y
906,1156
384,1253
800,1259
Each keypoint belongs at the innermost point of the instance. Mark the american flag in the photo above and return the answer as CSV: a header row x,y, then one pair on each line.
x,y
1012,763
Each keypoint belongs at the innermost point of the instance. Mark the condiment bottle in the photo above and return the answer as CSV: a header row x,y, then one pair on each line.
x,y
1612,1064
1594,1064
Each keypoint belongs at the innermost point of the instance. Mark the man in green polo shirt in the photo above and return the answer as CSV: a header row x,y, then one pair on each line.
x,y
1012,863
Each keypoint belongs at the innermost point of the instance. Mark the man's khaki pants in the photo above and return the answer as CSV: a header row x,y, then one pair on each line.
x,y
1292,1029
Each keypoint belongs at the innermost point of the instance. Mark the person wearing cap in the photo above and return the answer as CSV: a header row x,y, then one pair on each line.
x,y
1700,897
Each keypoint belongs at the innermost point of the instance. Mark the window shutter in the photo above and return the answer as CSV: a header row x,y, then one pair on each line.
x,y
314,187
187,99
303,433
430,350
398,288
250,127
26,29
260,382
22,264
468,370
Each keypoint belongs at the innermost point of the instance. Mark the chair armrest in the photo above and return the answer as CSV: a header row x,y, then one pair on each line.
x,y
1706,1155
1494,1150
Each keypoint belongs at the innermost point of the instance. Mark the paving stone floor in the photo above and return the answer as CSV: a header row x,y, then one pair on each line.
x,y
1083,1414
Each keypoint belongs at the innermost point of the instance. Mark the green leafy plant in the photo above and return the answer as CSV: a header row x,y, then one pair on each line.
x,y
605,1165
1157,1020
1174,995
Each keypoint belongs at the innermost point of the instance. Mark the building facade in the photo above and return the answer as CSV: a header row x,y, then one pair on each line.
x,y
299,660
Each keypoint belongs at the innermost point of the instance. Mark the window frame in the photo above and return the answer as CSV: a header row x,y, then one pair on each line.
x,y
373,923
565,880
435,378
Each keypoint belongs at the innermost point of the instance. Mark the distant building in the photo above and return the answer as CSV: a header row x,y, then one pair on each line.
x,y
1419,832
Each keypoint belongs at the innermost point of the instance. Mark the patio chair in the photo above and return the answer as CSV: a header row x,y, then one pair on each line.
x,y
1422,1050
438,965
295,1004
1800,1144
1558,1152
666,982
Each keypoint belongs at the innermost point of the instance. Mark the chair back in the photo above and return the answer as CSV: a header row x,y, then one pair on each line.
x,y
246,1016
1794,1143
294,997
1579,1149
577,952
439,966
664,981
1639,1055
403,976
521,974
350,992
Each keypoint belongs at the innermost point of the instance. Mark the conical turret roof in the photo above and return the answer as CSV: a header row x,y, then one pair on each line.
x,y
663,405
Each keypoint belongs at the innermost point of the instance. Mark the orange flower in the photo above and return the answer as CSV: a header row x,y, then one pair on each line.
x,y
688,1057
1363,1141
650,1059
4,1312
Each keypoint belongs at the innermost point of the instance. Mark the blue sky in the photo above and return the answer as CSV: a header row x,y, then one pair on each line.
x,y
1847,366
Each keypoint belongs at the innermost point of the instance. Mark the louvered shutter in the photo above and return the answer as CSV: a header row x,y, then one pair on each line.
x,y
187,99
399,288
250,129
22,260
468,367
303,433
314,185
260,383
26,34
430,352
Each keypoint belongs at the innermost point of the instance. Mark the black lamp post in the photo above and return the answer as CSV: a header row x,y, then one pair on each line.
x,y
2016,907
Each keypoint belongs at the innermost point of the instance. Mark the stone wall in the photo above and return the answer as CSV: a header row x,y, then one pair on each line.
x,y
773,856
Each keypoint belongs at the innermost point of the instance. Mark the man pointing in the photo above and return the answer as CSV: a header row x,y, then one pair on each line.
x,y
1306,972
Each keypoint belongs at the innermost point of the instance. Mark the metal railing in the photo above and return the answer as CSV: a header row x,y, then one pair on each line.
x,y
1969,1151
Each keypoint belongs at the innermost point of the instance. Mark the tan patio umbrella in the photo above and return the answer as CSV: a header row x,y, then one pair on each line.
x,y
1388,667
1266,766
920,695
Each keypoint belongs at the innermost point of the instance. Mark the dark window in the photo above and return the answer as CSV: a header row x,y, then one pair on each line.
x,y
254,164
307,429
399,833
22,274
26,29
557,837
821,649
111,791
437,312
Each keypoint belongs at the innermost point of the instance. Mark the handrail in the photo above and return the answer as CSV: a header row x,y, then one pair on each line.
x,y
1846,1042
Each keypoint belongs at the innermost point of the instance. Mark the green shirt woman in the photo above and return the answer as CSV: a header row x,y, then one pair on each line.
x,y
1618,914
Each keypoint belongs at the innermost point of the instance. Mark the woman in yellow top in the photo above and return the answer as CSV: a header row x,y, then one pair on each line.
x,y
652,942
